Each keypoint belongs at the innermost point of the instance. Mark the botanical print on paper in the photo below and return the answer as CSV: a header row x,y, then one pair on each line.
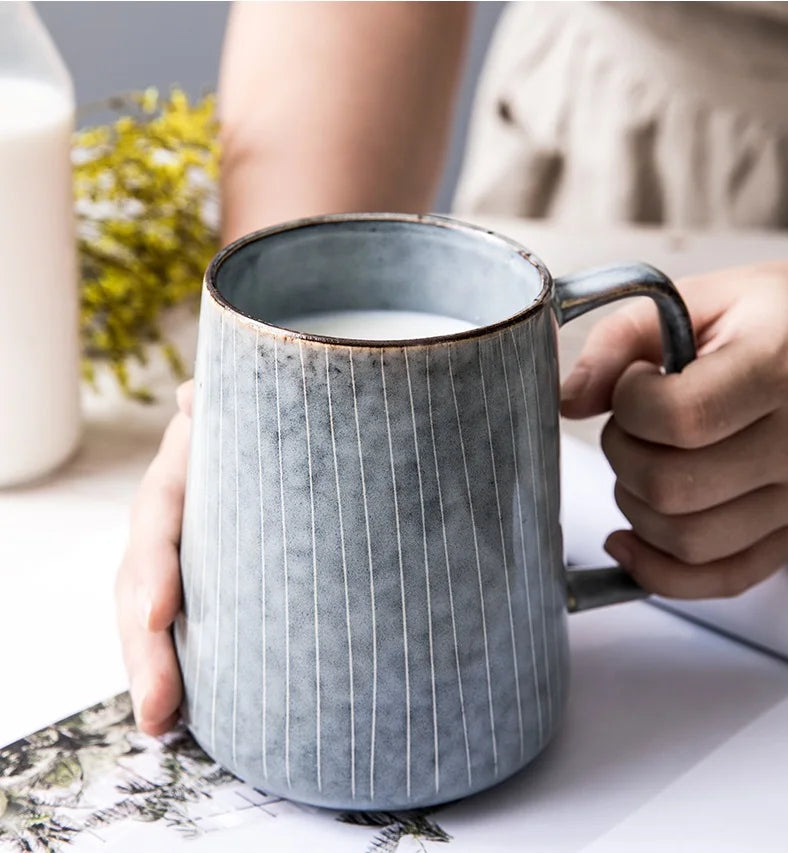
x,y
93,780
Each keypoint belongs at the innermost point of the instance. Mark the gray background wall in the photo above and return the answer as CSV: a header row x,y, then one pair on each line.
x,y
112,47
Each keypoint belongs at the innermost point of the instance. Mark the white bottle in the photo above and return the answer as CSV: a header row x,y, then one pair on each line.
x,y
39,342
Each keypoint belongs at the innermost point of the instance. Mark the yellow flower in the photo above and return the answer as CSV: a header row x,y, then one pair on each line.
x,y
142,183
149,100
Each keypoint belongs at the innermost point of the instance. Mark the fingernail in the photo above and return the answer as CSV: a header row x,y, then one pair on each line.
x,y
575,384
620,553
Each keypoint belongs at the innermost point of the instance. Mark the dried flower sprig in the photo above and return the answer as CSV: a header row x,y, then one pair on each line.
x,y
146,202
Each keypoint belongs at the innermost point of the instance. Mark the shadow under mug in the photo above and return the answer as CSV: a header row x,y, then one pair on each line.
x,y
374,595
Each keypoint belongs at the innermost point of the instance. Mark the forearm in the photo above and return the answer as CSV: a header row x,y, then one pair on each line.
x,y
331,107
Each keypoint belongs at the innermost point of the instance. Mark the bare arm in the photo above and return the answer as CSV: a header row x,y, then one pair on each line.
x,y
331,107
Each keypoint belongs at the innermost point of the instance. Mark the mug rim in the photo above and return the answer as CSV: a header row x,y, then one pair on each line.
x,y
476,231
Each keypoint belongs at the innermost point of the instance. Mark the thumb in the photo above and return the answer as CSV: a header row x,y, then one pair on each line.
x,y
630,334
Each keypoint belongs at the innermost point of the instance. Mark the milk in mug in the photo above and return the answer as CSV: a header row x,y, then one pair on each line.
x,y
376,325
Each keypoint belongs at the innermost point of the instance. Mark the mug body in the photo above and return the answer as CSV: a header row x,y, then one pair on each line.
x,y
372,568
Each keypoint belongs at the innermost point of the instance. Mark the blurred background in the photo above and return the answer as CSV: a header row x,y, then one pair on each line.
x,y
113,47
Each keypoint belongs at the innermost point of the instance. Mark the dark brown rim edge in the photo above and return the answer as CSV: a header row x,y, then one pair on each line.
x,y
440,221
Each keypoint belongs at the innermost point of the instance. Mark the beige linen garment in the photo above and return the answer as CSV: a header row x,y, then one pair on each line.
x,y
673,113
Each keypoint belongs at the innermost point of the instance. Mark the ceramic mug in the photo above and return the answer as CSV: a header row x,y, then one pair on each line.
x,y
374,595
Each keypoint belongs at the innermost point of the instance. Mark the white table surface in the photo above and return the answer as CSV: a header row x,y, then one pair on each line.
x,y
675,738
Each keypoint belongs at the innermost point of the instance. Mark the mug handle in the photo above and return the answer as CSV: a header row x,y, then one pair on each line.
x,y
574,295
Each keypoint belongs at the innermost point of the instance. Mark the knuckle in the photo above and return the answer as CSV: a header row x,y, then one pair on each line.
x,y
689,541
693,423
664,491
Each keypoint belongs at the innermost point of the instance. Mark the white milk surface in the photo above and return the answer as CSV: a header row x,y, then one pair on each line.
x,y
39,365
376,325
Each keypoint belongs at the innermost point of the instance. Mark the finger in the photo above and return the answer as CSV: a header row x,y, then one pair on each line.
x,y
661,574
156,687
154,675
155,682
709,535
710,400
184,396
631,334
675,481
155,530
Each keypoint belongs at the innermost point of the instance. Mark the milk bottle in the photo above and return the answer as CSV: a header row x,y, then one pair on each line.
x,y
39,353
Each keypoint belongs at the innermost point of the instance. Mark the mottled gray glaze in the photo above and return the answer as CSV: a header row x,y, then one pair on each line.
x,y
371,554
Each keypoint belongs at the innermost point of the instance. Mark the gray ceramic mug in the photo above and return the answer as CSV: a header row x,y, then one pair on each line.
x,y
374,593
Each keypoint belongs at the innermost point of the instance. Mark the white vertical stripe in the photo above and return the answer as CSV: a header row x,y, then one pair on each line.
x,y
284,567
207,494
318,721
515,660
478,565
401,576
218,597
537,695
371,584
347,594
426,579
264,734
550,519
537,528
237,550
448,572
